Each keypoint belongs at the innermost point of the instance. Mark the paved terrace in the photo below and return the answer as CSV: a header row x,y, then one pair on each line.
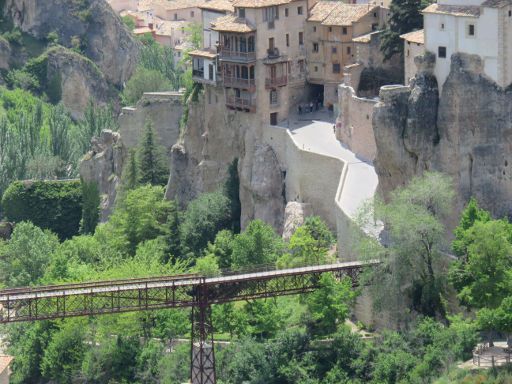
x,y
358,183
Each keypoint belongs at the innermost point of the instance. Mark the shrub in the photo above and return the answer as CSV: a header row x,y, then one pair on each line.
x,y
54,205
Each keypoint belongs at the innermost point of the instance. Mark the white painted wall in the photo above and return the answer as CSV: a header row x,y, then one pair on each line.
x,y
210,37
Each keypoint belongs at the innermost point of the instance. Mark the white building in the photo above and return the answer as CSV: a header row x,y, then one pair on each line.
x,y
476,27
211,11
413,46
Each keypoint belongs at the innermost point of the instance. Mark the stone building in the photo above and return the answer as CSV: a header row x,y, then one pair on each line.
x,y
413,46
477,27
262,56
331,28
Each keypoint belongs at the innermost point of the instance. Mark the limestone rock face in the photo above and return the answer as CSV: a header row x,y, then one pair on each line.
x,y
5,54
104,165
213,138
78,78
102,36
465,132
262,188
294,215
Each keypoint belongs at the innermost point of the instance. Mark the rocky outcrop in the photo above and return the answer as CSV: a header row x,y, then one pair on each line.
x,y
103,164
91,24
5,53
76,80
213,138
465,132
294,215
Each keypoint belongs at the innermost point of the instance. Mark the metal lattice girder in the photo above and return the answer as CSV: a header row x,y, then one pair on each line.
x,y
82,299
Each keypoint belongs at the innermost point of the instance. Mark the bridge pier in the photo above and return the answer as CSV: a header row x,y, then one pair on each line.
x,y
202,354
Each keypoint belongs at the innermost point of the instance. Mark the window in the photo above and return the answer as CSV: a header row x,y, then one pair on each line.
x,y
191,13
301,66
509,13
344,30
336,68
334,50
441,27
316,68
330,29
175,16
349,50
374,14
273,96
270,13
287,40
441,52
299,10
408,53
241,13
271,43
315,47
301,38
471,29
286,12
314,29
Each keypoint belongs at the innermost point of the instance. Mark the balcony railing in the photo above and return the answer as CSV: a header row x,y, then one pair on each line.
x,y
238,82
240,103
276,82
272,53
226,54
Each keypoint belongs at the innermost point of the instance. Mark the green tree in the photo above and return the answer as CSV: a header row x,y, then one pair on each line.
x,y
203,218
144,80
258,244
63,356
412,263
463,236
152,167
129,22
207,266
24,258
232,191
484,280
329,305
222,248
405,17
130,177
90,207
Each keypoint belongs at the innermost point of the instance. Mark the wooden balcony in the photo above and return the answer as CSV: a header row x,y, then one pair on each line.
x,y
238,82
275,82
240,103
237,56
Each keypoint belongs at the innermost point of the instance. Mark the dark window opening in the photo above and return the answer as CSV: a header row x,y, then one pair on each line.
x,y
441,52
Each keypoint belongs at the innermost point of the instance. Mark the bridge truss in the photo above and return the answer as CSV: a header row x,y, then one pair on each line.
x,y
190,290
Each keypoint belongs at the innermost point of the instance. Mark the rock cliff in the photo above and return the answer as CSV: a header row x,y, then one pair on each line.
x,y
214,137
90,23
104,164
466,131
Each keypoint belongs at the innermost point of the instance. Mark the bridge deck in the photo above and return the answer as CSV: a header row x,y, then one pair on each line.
x,y
168,281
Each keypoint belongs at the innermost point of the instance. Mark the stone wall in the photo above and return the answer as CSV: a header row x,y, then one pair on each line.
x,y
164,109
354,123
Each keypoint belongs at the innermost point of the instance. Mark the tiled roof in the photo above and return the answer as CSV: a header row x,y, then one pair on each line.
x,y
231,23
338,13
346,14
321,10
208,53
455,10
142,30
417,37
169,4
496,3
365,38
218,5
4,362
259,3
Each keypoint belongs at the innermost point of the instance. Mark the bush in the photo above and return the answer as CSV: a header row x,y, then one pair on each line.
x,y
54,205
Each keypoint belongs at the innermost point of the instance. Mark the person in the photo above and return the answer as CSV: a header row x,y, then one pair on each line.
x,y
310,106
